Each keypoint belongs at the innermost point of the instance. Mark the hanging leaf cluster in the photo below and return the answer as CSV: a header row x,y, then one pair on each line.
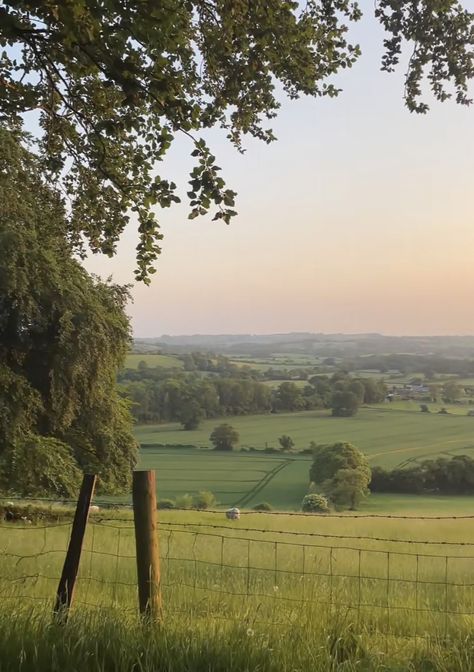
x,y
116,81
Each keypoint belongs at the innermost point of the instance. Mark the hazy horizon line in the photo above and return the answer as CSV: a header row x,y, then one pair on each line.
x,y
303,333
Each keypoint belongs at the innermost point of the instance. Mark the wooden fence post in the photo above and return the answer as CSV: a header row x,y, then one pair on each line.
x,y
146,539
65,592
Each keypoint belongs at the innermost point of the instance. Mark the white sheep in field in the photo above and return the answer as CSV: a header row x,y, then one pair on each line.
x,y
94,508
233,513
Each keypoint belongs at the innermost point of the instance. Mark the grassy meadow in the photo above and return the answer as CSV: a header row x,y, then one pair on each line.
x,y
267,593
236,479
390,436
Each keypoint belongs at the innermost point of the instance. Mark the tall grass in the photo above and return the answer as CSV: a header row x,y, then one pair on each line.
x,y
238,598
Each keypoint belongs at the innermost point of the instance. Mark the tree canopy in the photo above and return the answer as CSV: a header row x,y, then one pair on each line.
x,y
342,472
224,437
114,84
63,334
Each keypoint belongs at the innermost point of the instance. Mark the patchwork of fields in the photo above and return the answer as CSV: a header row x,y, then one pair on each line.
x,y
389,436
240,479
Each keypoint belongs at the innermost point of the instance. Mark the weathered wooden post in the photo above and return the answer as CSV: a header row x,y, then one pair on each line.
x,y
146,539
67,583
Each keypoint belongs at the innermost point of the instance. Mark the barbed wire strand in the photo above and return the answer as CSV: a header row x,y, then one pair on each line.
x,y
351,582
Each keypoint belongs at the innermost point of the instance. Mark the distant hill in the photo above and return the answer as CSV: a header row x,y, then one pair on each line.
x,y
326,345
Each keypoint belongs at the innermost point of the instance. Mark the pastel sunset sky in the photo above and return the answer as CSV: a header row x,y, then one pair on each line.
x,y
358,219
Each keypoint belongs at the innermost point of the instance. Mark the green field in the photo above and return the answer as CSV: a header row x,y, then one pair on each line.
x,y
266,593
166,361
240,479
389,436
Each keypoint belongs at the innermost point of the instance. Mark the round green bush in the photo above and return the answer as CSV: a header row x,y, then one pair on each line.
x,y
166,504
185,501
315,503
204,500
263,506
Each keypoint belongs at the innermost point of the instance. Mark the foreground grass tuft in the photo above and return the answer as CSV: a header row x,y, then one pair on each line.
x,y
105,641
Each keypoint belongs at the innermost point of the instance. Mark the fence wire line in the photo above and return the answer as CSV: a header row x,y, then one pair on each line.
x,y
118,506
235,526
231,577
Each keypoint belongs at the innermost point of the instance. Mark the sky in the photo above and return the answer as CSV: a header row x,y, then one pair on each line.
x,y
358,219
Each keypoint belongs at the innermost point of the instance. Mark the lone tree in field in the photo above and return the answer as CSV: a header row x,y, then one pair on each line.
x,y
190,414
115,83
286,442
224,437
344,403
451,392
342,472
63,336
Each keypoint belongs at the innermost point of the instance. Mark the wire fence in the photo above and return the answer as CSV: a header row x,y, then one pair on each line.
x,y
233,572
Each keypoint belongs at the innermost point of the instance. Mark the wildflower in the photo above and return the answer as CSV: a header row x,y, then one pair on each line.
x,y
250,632
275,589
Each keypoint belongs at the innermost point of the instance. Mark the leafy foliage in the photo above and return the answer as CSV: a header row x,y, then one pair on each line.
x,y
204,500
342,472
190,414
224,437
442,36
160,395
451,392
286,442
63,335
314,503
184,501
263,506
114,84
348,487
166,504
39,466
344,403
447,476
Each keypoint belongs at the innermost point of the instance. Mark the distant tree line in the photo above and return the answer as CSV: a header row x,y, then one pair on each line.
x,y
428,365
445,476
340,472
160,395
209,362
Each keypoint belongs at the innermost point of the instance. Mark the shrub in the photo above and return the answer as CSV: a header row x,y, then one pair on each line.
x,y
443,411
204,500
224,437
263,506
166,504
184,502
315,503
471,413
286,442
424,408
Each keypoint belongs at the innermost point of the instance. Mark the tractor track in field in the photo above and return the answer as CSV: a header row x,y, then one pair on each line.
x,y
263,482
414,449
